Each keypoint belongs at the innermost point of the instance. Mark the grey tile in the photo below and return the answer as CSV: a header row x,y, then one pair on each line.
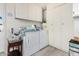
x,y
2,54
50,51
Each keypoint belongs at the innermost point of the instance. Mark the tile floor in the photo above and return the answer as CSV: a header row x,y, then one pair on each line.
x,y
50,51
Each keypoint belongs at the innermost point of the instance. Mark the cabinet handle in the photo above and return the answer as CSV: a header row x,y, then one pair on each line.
x,y
0,24
62,23
28,41
0,30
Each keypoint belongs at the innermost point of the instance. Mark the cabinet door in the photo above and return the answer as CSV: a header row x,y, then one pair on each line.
x,y
33,42
43,39
26,45
35,12
21,10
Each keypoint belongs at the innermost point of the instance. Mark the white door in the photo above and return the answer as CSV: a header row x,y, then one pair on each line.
x,y
61,26
2,30
55,30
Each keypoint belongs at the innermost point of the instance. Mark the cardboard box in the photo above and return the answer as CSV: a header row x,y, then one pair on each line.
x,y
76,38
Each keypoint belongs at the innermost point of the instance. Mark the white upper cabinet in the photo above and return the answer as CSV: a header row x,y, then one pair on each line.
x,y
76,9
35,12
21,11
29,11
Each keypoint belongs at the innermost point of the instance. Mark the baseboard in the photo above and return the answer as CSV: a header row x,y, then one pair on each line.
x,y
43,47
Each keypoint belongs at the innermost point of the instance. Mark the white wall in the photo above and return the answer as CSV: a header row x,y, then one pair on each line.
x,y
76,26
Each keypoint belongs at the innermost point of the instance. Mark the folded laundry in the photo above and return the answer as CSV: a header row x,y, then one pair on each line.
x,y
73,48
